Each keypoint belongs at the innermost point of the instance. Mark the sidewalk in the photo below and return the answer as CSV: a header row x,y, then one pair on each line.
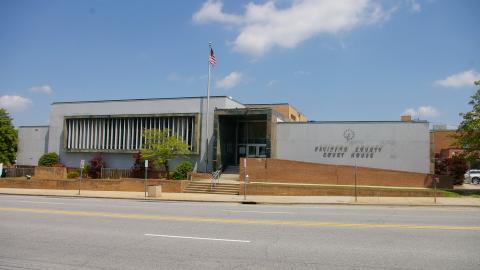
x,y
192,197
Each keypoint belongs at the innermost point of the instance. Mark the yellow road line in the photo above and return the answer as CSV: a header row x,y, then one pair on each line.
x,y
239,221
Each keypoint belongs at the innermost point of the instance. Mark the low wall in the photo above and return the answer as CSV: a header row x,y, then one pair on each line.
x,y
288,171
176,186
50,172
305,190
200,176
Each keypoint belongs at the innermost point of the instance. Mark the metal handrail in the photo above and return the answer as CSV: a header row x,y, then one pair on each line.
x,y
216,177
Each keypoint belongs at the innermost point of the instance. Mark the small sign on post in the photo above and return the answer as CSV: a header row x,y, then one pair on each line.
x,y
436,180
246,179
145,182
82,166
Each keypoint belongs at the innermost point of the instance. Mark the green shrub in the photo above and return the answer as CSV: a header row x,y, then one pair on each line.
x,y
182,170
73,175
86,170
49,159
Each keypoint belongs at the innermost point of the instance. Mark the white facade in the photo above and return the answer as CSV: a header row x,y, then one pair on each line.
x,y
78,130
32,144
402,146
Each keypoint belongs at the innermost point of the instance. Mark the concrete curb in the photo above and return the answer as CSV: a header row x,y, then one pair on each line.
x,y
243,202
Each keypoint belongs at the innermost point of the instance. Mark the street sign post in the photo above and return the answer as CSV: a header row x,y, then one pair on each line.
x,y
82,166
435,181
246,179
356,180
145,182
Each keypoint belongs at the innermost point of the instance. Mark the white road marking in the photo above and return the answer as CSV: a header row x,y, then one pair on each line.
x,y
196,238
260,212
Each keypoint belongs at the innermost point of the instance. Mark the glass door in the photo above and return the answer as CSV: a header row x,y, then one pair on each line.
x,y
252,150
257,150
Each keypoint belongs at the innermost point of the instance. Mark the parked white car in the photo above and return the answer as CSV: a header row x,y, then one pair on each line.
x,y
472,176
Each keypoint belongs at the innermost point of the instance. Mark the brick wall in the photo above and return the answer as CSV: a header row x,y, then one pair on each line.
x,y
50,172
288,171
442,139
299,190
176,186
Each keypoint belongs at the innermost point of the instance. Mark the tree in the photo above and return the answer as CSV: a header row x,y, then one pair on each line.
x,y
454,167
160,147
468,133
96,165
8,138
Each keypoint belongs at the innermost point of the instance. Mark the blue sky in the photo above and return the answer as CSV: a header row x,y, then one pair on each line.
x,y
332,60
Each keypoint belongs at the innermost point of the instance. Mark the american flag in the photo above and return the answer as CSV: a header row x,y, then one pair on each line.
x,y
212,58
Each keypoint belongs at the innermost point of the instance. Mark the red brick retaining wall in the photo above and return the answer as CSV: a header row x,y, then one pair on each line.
x,y
303,190
50,172
98,185
288,171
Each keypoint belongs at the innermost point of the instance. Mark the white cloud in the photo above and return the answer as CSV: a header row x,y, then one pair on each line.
x,y
414,5
461,79
302,73
212,11
410,111
264,26
422,112
44,89
230,81
271,83
14,103
173,77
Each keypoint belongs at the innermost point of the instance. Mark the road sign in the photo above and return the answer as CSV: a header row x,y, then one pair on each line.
x,y
82,164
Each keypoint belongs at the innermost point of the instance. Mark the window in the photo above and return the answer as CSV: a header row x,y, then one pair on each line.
x,y
124,133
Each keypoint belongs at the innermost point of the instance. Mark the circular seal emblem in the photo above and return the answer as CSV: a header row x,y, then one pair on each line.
x,y
349,134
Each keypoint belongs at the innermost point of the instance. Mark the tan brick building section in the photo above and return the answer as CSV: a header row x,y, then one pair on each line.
x,y
442,139
285,109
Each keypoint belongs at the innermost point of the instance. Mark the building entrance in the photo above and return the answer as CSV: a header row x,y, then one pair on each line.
x,y
242,133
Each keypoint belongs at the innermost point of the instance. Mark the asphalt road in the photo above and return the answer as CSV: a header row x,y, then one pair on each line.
x,y
81,233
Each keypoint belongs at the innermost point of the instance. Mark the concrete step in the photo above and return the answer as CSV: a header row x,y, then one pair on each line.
x,y
210,189
229,176
213,192
206,187
202,183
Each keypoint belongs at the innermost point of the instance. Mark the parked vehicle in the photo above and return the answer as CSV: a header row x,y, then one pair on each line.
x,y
472,176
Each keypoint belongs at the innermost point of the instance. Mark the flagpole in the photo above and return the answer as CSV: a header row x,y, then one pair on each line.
x,y
208,105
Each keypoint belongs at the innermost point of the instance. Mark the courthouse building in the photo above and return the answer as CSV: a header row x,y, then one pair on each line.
x,y
80,129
